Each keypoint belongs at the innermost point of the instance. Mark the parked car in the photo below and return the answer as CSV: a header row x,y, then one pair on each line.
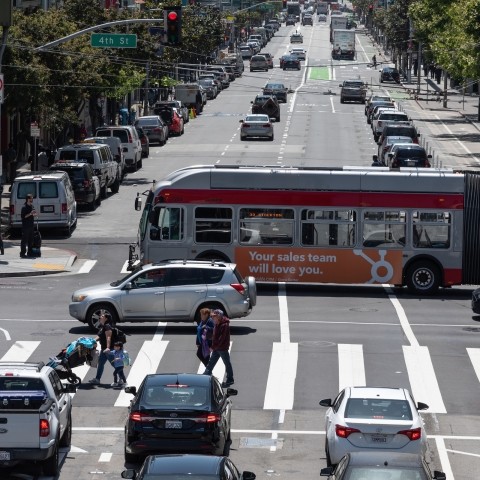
x,y
381,465
389,74
289,62
171,118
370,419
53,198
400,130
246,51
144,141
476,301
375,105
154,127
181,108
278,89
129,137
177,413
210,87
99,157
187,467
386,145
375,97
388,117
86,185
268,105
167,289
118,150
353,90
258,62
408,155
256,126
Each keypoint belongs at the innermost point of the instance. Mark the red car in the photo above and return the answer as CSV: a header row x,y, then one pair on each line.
x,y
172,118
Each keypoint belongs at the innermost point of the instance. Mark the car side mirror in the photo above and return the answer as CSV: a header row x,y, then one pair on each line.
x,y
231,392
272,119
130,473
246,475
326,402
326,472
251,101
132,390
422,406
439,475
128,286
341,85
429,156
138,203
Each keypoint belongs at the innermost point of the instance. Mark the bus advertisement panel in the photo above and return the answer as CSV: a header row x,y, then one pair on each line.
x,y
350,225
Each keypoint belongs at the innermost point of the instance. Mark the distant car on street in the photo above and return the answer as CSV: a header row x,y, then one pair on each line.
x,y
256,125
277,89
389,74
290,62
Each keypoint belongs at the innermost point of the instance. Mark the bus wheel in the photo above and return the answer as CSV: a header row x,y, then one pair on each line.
x,y
423,278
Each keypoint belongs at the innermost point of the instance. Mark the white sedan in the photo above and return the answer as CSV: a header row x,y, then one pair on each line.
x,y
256,125
300,53
362,418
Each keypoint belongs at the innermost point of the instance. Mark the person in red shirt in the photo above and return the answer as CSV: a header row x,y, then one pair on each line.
x,y
220,346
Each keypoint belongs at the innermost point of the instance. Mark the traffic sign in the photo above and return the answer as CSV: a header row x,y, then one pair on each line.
x,y
113,40
1,88
34,130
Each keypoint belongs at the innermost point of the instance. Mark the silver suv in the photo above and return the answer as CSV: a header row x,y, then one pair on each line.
x,y
173,290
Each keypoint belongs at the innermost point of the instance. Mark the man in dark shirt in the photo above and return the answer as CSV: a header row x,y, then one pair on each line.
x,y
220,346
104,336
28,215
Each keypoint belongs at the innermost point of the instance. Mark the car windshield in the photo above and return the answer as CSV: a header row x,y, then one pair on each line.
x,y
353,84
393,116
411,153
274,86
145,122
257,118
176,476
377,408
381,472
177,396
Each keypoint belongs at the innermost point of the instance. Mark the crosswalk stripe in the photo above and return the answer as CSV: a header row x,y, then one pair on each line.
x,y
20,351
474,354
280,388
423,380
87,266
351,368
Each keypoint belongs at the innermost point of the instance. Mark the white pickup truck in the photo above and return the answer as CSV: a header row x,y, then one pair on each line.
x,y
35,415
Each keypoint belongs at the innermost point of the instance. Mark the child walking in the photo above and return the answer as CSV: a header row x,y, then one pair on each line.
x,y
117,358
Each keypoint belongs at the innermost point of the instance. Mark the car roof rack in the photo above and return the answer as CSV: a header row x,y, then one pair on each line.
x,y
36,365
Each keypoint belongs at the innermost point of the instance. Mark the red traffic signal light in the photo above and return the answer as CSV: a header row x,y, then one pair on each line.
x,y
173,25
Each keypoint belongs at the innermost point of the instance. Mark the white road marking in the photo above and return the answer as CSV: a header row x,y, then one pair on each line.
x,y
20,351
474,354
105,457
423,380
443,456
87,266
147,361
407,329
5,332
351,368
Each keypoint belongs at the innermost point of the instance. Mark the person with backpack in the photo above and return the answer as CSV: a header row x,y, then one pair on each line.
x,y
118,358
105,337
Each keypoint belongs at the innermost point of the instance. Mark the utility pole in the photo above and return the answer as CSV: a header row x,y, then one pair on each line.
x,y
419,66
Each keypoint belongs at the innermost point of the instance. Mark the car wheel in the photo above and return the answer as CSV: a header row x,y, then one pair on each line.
x,y
99,200
277,119
50,465
283,68
96,310
140,163
243,138
423,278
251,69
103,190
66,439
92,205
271,138
342,100
131,458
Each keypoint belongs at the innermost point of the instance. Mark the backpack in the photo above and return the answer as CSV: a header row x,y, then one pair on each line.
x,y
118,335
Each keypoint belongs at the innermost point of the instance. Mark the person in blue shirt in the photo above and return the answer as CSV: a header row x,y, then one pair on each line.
x,y
116,358
204,335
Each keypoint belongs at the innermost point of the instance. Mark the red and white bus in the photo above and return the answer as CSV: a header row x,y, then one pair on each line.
x,y
414,227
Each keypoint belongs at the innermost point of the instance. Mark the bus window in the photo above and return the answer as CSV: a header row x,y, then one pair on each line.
x,y
213,225
267,226
384,229
431,229
328,228
166,223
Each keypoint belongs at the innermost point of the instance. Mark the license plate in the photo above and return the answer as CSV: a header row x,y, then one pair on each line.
x,y
4,455
378,439
47,209
173,424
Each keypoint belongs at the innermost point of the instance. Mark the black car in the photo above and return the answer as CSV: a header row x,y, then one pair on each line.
x,y
409,155
82,178
381,465
389,74
277,89
267,104
188,467
476,301
181,413
290,21
399,131
290,62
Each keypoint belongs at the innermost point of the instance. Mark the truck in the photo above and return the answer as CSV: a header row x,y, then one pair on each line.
x,y
293,9
343,44
337,22
191,95
322,8
35,415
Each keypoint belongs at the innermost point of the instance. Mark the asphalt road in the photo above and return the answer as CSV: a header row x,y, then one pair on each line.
x,y
301,343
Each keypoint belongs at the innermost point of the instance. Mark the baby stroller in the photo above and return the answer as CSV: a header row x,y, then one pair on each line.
x,y
83,350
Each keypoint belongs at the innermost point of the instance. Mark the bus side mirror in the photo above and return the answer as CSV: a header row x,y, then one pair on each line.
x,y
138,203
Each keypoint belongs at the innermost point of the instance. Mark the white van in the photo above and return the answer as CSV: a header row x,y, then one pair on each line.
x,y
129,137
53,199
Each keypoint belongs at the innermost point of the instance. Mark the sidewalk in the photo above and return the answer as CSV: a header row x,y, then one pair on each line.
x,y
52,260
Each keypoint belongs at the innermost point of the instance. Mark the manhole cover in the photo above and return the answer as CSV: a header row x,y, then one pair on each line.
x,y
253,442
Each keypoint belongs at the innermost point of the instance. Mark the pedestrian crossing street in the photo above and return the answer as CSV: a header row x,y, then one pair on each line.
x,y
282,374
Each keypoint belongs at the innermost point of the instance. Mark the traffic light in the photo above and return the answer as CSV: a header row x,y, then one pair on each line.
x,y
173,25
